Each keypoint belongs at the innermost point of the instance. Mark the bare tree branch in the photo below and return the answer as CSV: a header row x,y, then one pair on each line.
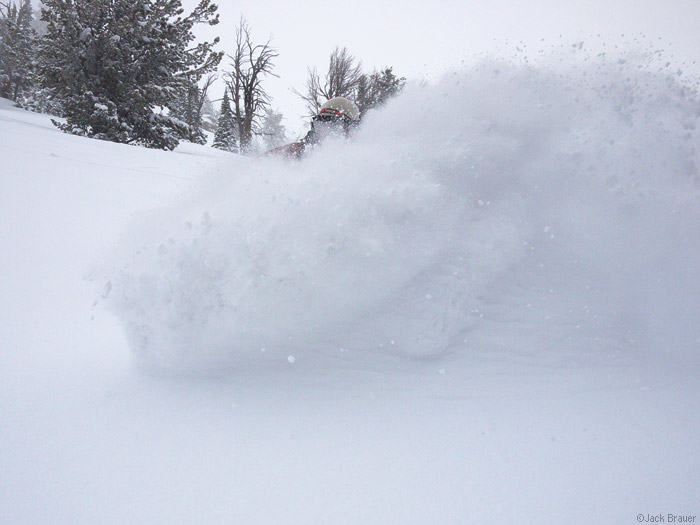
x,y
250,63
341,80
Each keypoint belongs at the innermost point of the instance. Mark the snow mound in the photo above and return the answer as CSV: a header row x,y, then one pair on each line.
x,y
457,215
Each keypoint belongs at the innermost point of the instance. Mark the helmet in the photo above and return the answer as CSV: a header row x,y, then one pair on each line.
x,y
337,117
341,107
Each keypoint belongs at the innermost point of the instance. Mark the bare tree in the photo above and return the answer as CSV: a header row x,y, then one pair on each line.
x,y
342,79
250,63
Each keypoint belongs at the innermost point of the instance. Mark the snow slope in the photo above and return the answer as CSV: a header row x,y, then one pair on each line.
x,y
483,309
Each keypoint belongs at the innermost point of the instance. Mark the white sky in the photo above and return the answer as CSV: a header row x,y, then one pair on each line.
x,y
424,38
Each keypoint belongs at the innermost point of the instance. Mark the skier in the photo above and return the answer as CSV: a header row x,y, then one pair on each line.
x,y
336,118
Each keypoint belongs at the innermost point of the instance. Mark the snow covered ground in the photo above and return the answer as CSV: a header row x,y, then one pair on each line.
x,y
484,309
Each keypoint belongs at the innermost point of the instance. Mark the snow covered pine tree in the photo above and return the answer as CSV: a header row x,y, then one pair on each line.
x,y
17,46
226,137
118,63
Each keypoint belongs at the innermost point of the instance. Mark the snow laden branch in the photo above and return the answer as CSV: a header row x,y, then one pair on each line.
x,y
124,66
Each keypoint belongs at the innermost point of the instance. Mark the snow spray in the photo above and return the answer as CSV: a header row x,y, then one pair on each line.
x,y
535,208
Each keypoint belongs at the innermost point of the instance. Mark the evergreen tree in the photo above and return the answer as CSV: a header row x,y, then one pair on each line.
x,y
188,107
388,85
272,130
375,89
226,137
365,95
17,49
118,63
210,116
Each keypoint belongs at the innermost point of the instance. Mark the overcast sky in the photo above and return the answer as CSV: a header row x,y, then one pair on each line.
x,y
424,38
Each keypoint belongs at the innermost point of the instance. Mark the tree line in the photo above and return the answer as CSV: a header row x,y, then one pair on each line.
x,y
131,71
